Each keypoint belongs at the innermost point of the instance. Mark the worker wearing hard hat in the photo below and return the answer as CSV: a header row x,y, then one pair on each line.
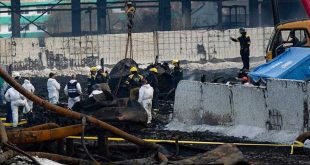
x,y
245,43
53,88
152,79
134,82
102,79
91,80
16,100
130,11
177,72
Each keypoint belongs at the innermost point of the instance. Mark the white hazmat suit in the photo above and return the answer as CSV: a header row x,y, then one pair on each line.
x,y
29,87
17,100
145,99
53,88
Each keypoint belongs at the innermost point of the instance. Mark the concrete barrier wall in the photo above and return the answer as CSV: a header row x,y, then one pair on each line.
x,y
220,111
87,50
249,106
188,102
281,105
287,98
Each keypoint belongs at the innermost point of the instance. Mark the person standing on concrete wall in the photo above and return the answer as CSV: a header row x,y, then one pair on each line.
x,y
73,90
145,99
53,88
245,43
177,73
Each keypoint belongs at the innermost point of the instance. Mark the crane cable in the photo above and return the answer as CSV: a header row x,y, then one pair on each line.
x,y
130,11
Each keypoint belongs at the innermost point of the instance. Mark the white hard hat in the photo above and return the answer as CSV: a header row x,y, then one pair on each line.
x,y
98,67
15,74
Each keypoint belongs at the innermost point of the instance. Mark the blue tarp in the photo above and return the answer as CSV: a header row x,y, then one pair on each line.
x,y
294,64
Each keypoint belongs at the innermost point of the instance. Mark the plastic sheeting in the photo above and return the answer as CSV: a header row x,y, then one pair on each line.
x,y
292,64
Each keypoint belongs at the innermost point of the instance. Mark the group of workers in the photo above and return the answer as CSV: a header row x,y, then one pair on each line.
x,y
144,90
14,100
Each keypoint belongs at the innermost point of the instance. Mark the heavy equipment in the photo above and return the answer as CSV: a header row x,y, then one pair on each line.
x,y
289,34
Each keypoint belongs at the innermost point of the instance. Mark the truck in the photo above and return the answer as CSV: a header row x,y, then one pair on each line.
x,y
288,34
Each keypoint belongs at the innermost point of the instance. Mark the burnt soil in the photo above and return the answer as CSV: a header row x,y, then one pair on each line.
x,y
256,155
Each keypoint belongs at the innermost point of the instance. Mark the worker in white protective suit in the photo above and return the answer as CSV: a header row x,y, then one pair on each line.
x,y
96,90
73,90
145,99
30,88
17,100
53,88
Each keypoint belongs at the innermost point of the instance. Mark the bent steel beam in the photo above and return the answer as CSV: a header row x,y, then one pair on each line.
x,y
75,115
26,137
38,127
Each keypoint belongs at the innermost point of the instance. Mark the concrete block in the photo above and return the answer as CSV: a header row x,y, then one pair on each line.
x,y
249,105
188,102
285,104
217,109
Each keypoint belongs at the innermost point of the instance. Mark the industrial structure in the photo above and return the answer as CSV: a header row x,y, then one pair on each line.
x,y
22,18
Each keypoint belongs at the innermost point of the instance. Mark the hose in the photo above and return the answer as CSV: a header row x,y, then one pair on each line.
x,y
83,140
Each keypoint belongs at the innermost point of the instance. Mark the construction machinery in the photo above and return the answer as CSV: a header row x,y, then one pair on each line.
x,y
289,34
292,34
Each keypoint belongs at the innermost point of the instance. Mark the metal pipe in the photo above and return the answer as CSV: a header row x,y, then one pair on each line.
x,y
26,137
72,114
61,158
38,127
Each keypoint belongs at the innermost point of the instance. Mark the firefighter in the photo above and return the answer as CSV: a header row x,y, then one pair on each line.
x,y
130,11
53,88
152,79
91,80
245,43
73,90
134,82
102,79
177,73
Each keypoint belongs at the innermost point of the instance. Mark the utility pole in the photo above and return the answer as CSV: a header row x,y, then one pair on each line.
x,y
187,14
76,17
164,15
15,18
101,16
275,12
89,11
